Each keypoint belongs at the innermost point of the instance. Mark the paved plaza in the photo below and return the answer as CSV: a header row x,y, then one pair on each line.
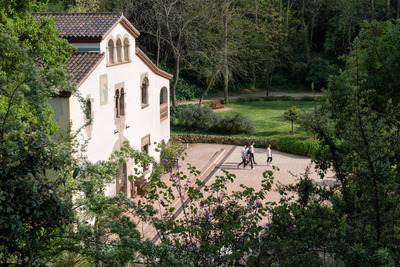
x,y
211,159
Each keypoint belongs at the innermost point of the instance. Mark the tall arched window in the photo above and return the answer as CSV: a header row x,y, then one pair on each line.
x,y
126,49
117,103
122,103
111,51
163,103
145,92
119,50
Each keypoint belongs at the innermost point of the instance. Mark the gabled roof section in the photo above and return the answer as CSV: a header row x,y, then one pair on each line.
x,y
81,65
151,65
88,27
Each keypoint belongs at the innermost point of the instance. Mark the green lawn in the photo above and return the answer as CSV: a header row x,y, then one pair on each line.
x,y
268,118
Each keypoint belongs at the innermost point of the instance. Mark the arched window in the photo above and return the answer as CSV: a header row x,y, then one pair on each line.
x,y
145,92
117,103
126,49
122,103
163,103
119,50
163,95
111,51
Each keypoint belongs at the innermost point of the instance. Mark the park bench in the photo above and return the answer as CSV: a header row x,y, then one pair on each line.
x,y
217,104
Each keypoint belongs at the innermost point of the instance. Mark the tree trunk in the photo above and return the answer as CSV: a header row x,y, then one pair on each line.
x,y
372,10
175,81
158,44
209,84
398,9
305,31
226,69
287,18
387,9
256,14
292,128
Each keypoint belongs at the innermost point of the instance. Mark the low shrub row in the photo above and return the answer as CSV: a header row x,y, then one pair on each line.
x,y
298,147
203,119
271,98
293,146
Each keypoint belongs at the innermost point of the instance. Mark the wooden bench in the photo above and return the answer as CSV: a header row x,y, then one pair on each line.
x,y
217,104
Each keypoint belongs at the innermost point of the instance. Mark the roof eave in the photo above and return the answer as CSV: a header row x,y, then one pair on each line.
x,y
152,66
126,24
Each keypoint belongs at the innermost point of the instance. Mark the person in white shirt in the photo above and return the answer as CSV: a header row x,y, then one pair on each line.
x,y
243,155
252,153
269,155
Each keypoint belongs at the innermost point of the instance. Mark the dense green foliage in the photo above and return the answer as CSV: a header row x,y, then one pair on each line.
x,y
244,43
355,222
298,147
203,119
34,208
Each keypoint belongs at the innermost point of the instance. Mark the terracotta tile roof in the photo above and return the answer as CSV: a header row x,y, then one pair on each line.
x,y
77,27
80,65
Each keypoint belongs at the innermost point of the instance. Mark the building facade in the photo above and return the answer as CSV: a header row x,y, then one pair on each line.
x,y
126,95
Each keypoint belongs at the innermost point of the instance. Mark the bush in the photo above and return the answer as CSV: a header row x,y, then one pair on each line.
x,y
278,98
204,119
186,91
299,147
307,98
235,124
264,98
197,118
318,71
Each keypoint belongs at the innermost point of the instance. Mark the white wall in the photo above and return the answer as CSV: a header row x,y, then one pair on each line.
x,y
141,122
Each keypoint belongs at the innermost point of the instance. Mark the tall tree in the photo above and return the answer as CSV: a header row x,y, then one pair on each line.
x,y
34,166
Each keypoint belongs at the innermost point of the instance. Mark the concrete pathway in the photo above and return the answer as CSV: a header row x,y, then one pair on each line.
x,y
289,166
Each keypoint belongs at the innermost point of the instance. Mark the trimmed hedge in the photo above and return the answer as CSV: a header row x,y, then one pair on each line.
x,y
226,140
298,147
293,146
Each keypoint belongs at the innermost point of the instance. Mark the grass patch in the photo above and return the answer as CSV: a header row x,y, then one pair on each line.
x,y
268,118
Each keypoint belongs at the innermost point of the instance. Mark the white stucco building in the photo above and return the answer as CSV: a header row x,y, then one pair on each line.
x,y
127,95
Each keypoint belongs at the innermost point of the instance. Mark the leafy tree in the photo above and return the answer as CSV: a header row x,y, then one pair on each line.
x,y
319,70
292,114
35,166
354,222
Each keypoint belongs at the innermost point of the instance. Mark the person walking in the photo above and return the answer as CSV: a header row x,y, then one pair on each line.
x,y
249,159
252,153
243,155
269,155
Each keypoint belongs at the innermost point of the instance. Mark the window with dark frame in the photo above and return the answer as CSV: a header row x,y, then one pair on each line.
x,y
88,109
146,164
117,103
144,92
122,103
